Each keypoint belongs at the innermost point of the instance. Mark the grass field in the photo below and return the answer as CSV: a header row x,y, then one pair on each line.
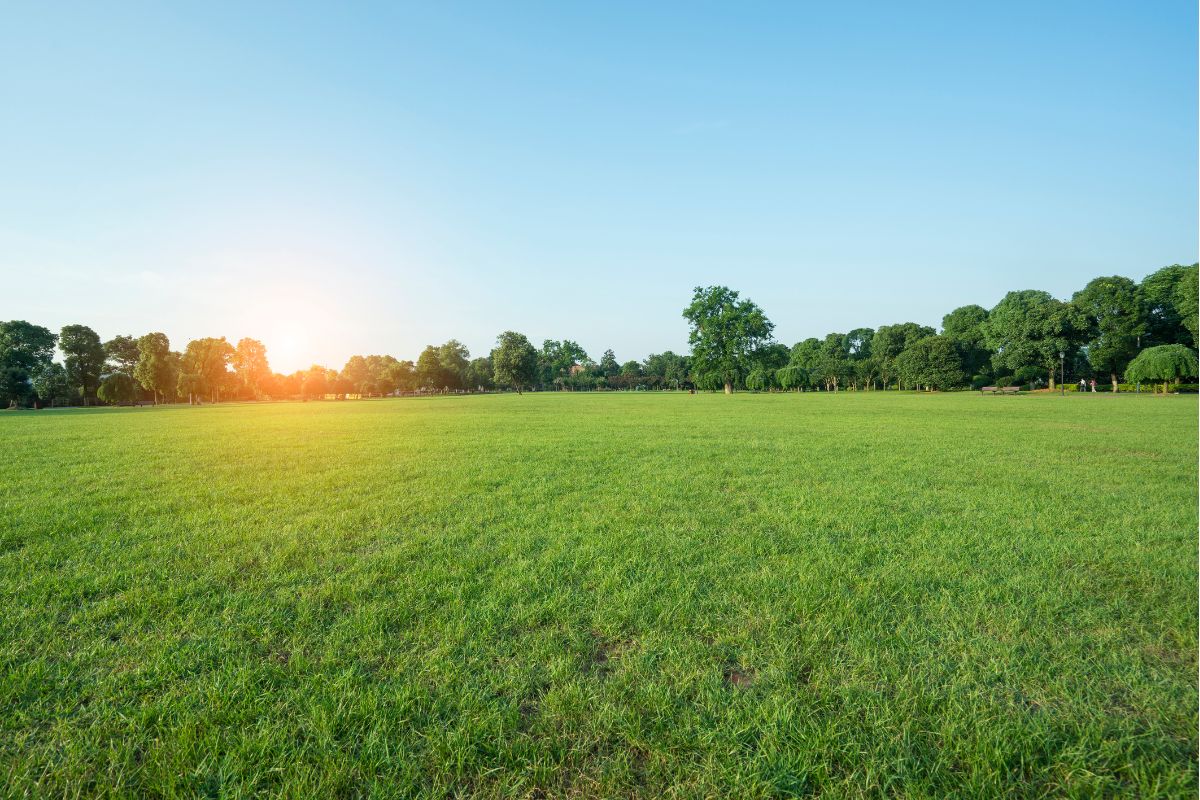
x,y
602,595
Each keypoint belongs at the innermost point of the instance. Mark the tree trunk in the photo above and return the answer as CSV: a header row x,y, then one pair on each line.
x,y
1113,375
1052,379
728,387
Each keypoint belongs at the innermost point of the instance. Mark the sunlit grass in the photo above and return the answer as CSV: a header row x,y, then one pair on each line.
x,y
602,595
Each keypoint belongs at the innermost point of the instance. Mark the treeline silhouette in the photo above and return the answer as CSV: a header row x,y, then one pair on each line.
x,y
1028,338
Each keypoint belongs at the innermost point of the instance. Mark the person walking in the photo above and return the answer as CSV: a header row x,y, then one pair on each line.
x,y
1093,385
1082,385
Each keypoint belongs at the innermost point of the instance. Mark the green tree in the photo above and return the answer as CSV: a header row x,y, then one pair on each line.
x,y
964,327
314,381
122,354
479,374
249,361
833,365
83,357
204,370
50,383
1165,317
156,366
608,364
25,351
725,334
117,388
933,362
430,375
1114,313
404,376
556,360
357,373
892,340
1187,303
1167,362
453,357
1029,329
670,368
515,361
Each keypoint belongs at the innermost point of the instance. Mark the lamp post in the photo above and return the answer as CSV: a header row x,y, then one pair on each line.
x,y
1062,372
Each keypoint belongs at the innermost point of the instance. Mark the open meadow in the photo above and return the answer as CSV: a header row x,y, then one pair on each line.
x,y
599,595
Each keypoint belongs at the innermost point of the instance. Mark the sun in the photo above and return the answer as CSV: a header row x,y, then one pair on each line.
x,y
289,347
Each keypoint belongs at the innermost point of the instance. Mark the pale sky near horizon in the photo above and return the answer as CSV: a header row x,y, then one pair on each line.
x,y
373,178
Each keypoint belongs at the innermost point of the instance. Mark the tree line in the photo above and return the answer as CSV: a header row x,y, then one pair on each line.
x,y
1112,329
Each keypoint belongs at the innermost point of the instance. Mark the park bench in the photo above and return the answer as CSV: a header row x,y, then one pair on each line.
x,y
1000,390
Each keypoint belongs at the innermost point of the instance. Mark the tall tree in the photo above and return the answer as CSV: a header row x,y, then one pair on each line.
x,y
250,363
1030,329
964,327
314,381
429,372
1187,302
122,354
1165,319
1114,312
25,350
833,365
454,357
156,365
205,366
480,374
557,359
933,363
514,360
50,383
357,373
608,364
726,333
83,357
404,376
670,367
892,340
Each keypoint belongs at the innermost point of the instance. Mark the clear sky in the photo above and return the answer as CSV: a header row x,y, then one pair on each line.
x,y
353,178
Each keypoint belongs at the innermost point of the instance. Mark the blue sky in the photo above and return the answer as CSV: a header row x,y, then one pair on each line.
x,y
342,179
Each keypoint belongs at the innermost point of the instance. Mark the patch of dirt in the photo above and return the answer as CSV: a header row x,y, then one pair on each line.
x,y
603,652
739,677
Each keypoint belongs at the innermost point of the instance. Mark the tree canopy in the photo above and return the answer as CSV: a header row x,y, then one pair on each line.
x,y
1166,362
515,360
725,334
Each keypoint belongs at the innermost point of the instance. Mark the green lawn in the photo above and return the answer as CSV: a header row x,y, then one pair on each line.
x,y
602,595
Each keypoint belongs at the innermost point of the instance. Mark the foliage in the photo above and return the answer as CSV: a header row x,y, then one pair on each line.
x,y
892,340
1114,311
50,384
964,327
1029,329
117,388
249,360
122,354
204,368
25,351
933,362
157,367
1168,294
1164,363
83,357
725,334
514,360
